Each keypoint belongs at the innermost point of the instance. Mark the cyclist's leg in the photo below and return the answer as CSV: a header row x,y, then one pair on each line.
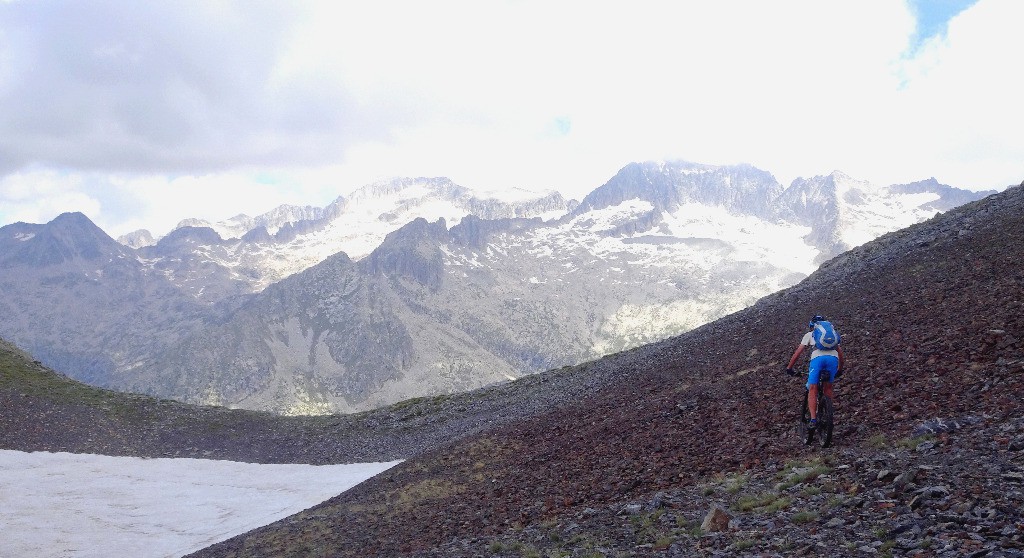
x,y
813,374
831,367
827,364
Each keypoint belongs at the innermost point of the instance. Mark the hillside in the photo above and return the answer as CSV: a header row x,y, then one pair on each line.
x,y
928,461
42,410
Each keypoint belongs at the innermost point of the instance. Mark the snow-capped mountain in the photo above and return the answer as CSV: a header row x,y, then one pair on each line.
x,y
252,252
464,294
435,310
844,212
667,185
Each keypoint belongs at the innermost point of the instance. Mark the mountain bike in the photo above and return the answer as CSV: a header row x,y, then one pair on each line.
x,y
826,419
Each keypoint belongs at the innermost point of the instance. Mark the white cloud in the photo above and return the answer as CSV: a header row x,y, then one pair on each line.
x,y
325,98
34,197
955,113
165,201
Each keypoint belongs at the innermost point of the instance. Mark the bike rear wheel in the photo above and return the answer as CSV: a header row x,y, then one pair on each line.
x,y
825,421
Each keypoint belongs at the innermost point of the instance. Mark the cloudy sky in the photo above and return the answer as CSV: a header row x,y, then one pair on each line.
x,y
140,114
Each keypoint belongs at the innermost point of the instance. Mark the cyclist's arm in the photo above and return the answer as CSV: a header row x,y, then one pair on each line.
x,y
796,355
842,360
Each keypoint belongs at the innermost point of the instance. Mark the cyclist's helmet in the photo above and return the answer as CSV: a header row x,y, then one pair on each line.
x,y
815,320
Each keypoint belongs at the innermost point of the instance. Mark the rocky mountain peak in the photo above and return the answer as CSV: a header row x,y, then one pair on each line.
x,y
189,235
258,235
412,252
439,186
668,184
69,236
74,223
196,223
137,239
285,215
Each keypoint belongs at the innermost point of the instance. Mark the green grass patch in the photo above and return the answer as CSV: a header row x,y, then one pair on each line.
x,y
767,502
664,542
528,551
691,528
804,517
735,482
744,544
912,443
811,491
646,525
878,441
801,472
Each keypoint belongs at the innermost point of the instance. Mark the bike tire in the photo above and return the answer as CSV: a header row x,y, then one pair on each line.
x,y
806,434
825,421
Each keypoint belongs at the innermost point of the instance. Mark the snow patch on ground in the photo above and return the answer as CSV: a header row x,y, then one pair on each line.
x,y
62,504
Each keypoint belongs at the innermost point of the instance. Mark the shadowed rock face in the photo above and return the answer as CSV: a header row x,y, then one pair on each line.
x,y
474,232
184,236
932,324
413,252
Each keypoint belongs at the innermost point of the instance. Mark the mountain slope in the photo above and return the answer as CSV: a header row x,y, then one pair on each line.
x,y
932,324
44,411
436,311
41,410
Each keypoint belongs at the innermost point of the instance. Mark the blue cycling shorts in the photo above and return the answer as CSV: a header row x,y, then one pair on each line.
x,y
824,363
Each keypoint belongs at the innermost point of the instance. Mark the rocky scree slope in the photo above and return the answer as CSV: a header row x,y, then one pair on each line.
x,y
933,329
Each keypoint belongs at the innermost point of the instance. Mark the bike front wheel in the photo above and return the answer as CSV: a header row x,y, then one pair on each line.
x,y
806,434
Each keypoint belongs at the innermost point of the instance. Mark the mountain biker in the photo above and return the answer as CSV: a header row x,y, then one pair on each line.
x,y
822,360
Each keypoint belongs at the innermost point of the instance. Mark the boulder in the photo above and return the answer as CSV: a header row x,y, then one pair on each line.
x,y
717,519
